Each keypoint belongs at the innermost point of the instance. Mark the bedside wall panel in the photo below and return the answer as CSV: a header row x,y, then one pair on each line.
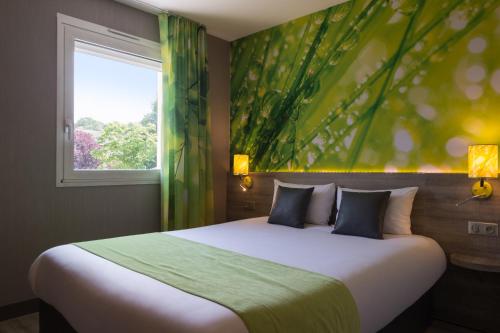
x,y
434,211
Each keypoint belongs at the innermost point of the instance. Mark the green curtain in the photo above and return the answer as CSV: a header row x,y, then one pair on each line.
x,y
186,177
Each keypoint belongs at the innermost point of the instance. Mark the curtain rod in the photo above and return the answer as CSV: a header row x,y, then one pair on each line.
x,y
153,9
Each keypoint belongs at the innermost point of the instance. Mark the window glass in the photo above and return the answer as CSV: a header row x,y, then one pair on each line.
x,y
115,110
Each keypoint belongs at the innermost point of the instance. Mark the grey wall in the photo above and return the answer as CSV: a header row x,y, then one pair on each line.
x,y
34,214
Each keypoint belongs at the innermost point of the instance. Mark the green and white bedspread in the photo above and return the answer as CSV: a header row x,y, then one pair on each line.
x,y
267,296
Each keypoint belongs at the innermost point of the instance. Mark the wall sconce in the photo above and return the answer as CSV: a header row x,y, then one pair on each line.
x,y
483,163
240,168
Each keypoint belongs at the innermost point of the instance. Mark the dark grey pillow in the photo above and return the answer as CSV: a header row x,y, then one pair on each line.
x,y
362,214
291,206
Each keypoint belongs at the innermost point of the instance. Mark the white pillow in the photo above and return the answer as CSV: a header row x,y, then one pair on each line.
x,y
320,206
397,216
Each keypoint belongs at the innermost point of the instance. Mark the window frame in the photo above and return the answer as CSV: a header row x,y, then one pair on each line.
x,y
69,31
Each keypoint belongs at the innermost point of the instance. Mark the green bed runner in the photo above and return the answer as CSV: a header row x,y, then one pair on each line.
x,y
267,296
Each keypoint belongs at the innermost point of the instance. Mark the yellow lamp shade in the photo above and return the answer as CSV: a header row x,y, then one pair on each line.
x,y
483,161
240,165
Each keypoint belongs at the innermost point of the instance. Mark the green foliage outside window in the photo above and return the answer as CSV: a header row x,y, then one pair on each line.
x,y
89,124
119,146
127,146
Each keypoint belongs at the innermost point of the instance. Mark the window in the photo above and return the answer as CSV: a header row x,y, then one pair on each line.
x,y
109,94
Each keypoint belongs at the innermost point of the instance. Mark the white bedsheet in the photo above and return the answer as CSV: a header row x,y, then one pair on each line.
x,y
95,295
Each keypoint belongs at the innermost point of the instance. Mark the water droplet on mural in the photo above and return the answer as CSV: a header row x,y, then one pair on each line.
x,y
405,7
476,73
477,45
350,121
495,81
348,139
350,42
457,146
474,91
341,12
458,19
396,18
363,98
252,76
334,61
310,158
318,141
403,141
400,73
416,80
426,111
419,46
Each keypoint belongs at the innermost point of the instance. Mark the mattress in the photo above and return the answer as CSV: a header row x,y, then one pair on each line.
x,y
95,295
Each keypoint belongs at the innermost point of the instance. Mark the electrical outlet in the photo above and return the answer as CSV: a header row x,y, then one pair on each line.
x,y
483,228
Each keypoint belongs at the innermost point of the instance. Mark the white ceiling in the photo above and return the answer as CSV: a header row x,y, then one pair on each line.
x,y
233,19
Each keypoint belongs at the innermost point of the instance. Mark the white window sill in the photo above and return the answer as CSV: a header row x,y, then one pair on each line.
x,y
83,183
110,178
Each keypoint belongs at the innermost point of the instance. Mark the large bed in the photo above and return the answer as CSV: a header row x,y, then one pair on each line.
x,y
385,277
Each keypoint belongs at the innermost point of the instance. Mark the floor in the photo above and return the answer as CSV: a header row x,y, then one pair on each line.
x,y
24,324
29,324
442,327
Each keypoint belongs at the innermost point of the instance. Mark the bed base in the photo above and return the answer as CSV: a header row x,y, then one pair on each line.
x,y
51,321
415,319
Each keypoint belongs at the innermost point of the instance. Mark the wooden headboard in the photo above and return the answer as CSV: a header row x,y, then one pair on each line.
x,y
434,212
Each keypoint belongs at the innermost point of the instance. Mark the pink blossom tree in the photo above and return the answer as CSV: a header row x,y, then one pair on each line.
x,y
85,143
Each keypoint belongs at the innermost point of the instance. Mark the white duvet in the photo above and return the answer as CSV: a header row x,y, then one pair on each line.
x,y
95,295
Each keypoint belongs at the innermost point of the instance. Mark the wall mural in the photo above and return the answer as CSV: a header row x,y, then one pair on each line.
x,y
382,86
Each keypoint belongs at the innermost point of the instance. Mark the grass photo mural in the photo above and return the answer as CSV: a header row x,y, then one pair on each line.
x,y
377,86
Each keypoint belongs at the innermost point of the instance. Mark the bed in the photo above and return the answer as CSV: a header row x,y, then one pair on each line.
x,y
385,277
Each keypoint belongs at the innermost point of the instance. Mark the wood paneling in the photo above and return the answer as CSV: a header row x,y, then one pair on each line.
x,y
477,263
219,80
434,211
